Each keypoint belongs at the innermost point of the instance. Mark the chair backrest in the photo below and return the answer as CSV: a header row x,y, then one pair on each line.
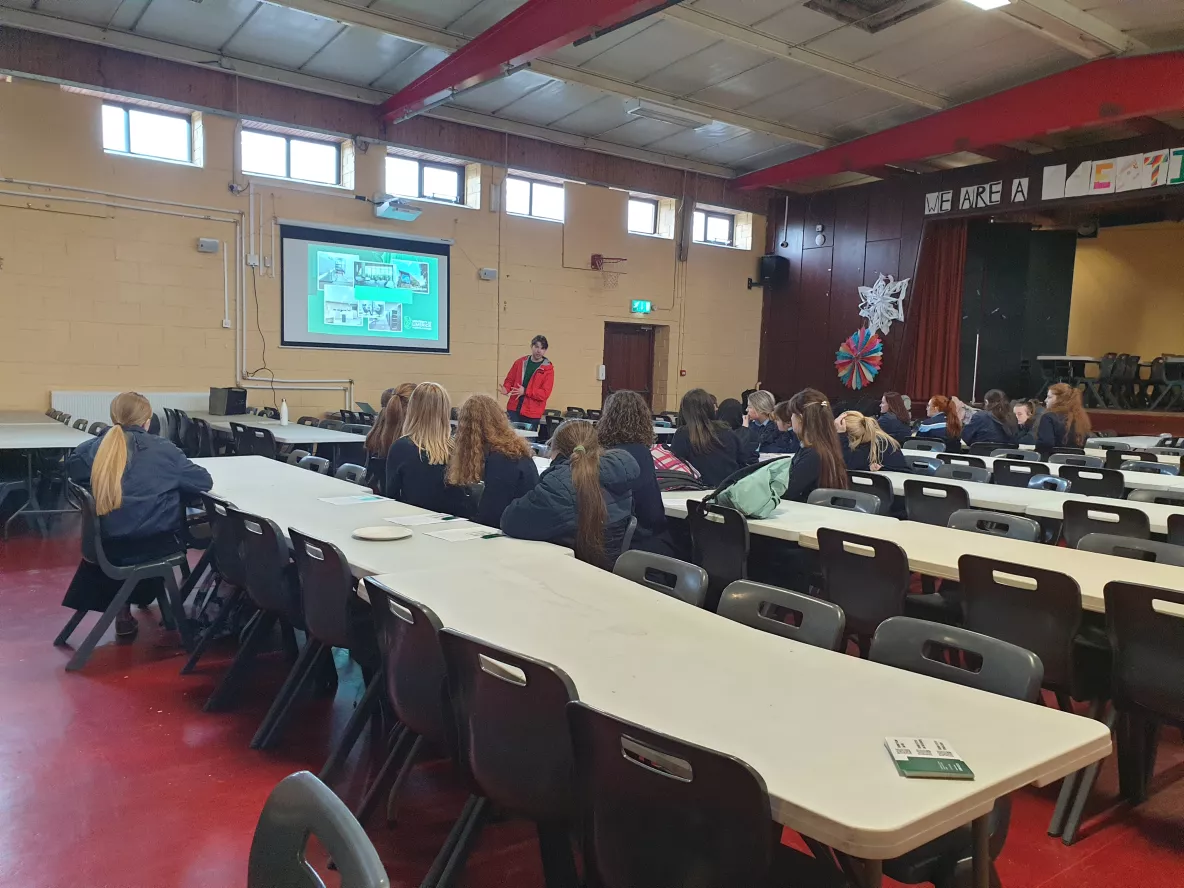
x,y
351,472
326,589
1108,445
850,500
1092,516
1154,468
80,425
1017,473
575,413
225,540
876,484
686,582
1176,529
244,444
1004,524
923,445
868,578
1147,644
1156,496
91,533
266,564
1066,451
204,438
921,465
97,428
294,456
964,473
317,464
1117,459
986,448
356,428
962,459
782,612
1036,609
1006,669
1014,453
719,545
307,420
262,441
413,660
300,806
661,812
1166,451
1049,482
334,425
1073,459
511,714
932,502
467,499
1094,482
1132,547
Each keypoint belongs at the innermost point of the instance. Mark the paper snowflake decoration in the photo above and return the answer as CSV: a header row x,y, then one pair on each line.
x,y
859,358
883,302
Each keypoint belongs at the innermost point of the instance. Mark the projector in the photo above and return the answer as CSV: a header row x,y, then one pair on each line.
x,y
387,206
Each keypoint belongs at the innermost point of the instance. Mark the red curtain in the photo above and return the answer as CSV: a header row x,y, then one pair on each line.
x,y
936,310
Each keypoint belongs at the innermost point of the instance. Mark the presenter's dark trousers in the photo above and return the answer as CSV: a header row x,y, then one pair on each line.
x,y
515,416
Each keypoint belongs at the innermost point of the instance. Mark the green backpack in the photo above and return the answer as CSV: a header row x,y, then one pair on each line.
x,y
754,491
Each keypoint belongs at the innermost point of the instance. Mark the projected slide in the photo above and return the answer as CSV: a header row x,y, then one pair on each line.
x,y
361,291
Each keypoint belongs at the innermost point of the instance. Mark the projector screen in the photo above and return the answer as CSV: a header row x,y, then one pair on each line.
x,y
343,290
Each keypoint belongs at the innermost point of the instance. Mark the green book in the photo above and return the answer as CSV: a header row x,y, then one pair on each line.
x,y
925,757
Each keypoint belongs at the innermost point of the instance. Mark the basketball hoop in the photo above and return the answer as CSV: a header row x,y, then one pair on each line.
x,y
609,268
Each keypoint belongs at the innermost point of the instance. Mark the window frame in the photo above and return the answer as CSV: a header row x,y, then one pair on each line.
x,y
652,201
422,165
336,145
532,183
715,214
127,108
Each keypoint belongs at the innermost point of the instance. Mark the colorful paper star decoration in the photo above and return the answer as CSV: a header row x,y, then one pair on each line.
x,y
883,302
859,358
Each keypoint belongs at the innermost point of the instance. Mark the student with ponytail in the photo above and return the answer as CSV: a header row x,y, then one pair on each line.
x,y
819,462
995,423
137,481
869,447
583,501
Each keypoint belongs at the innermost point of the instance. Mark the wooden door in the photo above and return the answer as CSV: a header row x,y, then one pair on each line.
x,y
629,360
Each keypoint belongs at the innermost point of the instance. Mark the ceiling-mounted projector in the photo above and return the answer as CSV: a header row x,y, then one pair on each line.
x,y
387,206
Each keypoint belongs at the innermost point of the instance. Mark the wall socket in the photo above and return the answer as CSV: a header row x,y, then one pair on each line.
x,y
253,260
226,323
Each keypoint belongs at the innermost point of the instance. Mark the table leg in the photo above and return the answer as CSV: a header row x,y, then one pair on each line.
x,y
863,873
981,833
31,507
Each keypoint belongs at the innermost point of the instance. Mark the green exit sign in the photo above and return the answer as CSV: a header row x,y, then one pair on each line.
x,y
642,306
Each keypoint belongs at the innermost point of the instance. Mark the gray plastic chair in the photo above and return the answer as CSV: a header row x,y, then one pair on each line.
x,y
1155,496
1167,451
851,500
317,464
1014,527
295,456
351,472
678,579
1101,444
923,445
960,472
1073,459
1130,547
301,805
1011,453
962,459
1049,482
815,622
1153,468
921,465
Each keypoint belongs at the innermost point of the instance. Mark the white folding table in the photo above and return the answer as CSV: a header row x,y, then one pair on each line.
x,y
24,417
31,437
811,722
1173,484
292,433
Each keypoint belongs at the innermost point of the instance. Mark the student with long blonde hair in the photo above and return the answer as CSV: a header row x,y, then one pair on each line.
x,y
584,500
488,449
418,459
869,447
388,426
137,481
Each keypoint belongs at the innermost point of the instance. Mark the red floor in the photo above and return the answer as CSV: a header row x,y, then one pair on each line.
x,y
115,778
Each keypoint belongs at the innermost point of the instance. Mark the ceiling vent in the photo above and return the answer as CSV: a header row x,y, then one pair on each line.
x,y
871,15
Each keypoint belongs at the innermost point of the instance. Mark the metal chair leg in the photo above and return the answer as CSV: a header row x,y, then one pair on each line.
x,y
392,799
1088,778
177,606
68,629
287,695
401,739
353,729
212,631
1056,826
455,867
559,863
247,651
83,652
445,866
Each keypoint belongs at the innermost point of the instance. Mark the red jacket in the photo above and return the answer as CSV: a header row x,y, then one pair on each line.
x,y
534,401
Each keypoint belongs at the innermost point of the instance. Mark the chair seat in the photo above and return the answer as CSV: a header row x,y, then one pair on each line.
x,y
937,607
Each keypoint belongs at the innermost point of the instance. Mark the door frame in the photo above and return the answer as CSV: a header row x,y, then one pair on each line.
x,y
648,393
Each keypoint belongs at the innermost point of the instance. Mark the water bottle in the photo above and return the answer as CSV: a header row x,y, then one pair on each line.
x,y
284,412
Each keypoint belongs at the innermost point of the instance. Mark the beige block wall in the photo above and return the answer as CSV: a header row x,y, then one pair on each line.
x,y
94,297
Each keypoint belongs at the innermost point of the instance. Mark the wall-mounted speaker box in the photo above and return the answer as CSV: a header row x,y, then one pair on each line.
x,y
228,401
772,271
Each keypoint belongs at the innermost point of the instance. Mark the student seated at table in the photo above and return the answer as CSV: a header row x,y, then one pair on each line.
x,y
819,461
137,481
731,413
703,441
417,461
1064,423
1025,412
488,449
942,420
583,501
388,426
626,425
868,447
785,441
759,427
994,423
894,417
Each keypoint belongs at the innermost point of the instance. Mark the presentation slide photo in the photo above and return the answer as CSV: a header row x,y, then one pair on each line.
x,y
412,276
343,314
335,268
374,274
389,321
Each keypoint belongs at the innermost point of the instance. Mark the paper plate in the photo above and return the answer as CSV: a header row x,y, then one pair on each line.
x,y
385,532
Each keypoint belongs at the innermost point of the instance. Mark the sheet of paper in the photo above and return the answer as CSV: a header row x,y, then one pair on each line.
x,y
416,520
352,500
461,534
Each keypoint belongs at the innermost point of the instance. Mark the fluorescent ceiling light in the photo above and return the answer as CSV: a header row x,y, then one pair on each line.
x,y
666,114
989,4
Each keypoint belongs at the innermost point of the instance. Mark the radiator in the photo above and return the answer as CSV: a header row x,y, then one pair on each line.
x,y
96,406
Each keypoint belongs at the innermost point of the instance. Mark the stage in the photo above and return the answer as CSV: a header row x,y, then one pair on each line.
x,y
1138,422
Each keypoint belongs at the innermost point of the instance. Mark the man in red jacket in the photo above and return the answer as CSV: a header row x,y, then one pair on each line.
x,y
529,384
